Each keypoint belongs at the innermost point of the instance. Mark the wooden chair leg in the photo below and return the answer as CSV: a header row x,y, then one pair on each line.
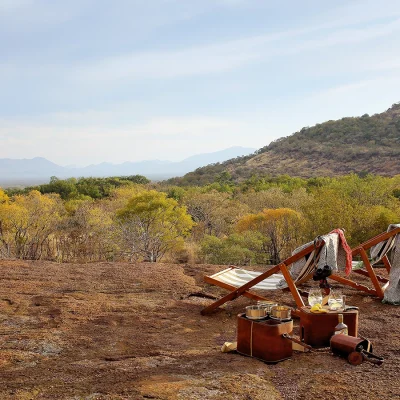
x,y
293,288
371,272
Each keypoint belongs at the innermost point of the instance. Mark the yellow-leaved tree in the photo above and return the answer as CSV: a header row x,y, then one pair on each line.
x,y
3,196
281,229
152,224
86,233
27,222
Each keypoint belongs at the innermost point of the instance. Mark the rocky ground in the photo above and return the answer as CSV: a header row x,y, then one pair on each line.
x,y
124,331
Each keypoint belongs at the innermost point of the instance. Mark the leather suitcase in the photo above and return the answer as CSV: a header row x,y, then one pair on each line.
x,y
317,329
263,339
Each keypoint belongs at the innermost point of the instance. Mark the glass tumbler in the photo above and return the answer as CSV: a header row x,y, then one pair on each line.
x,y
315,297
336,301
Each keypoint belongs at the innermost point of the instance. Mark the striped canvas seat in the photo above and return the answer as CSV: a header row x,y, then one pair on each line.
x,y
296,269
238,277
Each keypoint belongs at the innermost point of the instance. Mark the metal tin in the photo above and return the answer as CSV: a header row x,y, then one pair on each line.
x,y
281,313
256,312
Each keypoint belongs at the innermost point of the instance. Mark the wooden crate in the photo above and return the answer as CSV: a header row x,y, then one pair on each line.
x,y
317,329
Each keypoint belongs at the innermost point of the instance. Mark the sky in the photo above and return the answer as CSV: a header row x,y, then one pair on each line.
x,y
90,81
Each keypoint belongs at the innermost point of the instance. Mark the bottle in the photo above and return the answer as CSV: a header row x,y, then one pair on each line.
x,y
341,328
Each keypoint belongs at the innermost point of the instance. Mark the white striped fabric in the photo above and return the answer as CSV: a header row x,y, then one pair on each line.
x,y
238,277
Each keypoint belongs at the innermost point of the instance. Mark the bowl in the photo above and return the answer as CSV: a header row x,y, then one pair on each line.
x,y
282,313
256,312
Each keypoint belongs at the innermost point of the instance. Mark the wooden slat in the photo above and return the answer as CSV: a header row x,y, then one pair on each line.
x,y
375,240
353,284
365,273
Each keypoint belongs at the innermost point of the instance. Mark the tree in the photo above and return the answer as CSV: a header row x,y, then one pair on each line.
x,y
275,197
282,229
65,188
27,222
152,224
239,249
3,197
87,233
138,179
215,213
328,209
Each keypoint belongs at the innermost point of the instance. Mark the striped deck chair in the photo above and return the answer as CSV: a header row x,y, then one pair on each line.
x,y
293,271
378,247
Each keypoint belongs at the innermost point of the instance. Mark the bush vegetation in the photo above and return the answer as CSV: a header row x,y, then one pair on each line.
x,y
257,221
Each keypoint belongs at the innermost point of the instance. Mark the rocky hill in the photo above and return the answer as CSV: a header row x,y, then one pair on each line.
x,y
366,144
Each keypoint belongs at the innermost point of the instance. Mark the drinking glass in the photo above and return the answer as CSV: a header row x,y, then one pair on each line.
x,y
314,297
336,301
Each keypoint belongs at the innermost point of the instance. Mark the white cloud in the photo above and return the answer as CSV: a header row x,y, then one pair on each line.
x,y
362,11
38,15
11,6
364,85
224,56
348,36
212,58
197,61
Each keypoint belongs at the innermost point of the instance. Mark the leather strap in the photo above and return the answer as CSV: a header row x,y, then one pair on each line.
x,y
251,339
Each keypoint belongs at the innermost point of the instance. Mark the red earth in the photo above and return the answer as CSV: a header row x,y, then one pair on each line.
x,y
134,331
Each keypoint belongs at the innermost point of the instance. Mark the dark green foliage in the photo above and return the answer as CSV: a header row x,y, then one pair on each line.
x,y
95,188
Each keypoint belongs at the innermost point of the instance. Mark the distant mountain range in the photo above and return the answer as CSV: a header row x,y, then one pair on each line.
x,y
361,145
21,172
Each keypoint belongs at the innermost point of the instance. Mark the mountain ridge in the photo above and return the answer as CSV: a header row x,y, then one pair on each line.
x,y
38,169
361,145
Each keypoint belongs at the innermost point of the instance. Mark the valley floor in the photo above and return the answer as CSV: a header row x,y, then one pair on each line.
x,y
124,331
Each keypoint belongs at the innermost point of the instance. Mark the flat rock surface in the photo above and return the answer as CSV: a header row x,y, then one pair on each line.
x,y
134,331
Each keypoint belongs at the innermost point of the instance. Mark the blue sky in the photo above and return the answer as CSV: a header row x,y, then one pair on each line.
x,y
86,81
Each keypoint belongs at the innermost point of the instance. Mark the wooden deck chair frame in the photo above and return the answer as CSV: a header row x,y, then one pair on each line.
x,y
368,271
244,290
